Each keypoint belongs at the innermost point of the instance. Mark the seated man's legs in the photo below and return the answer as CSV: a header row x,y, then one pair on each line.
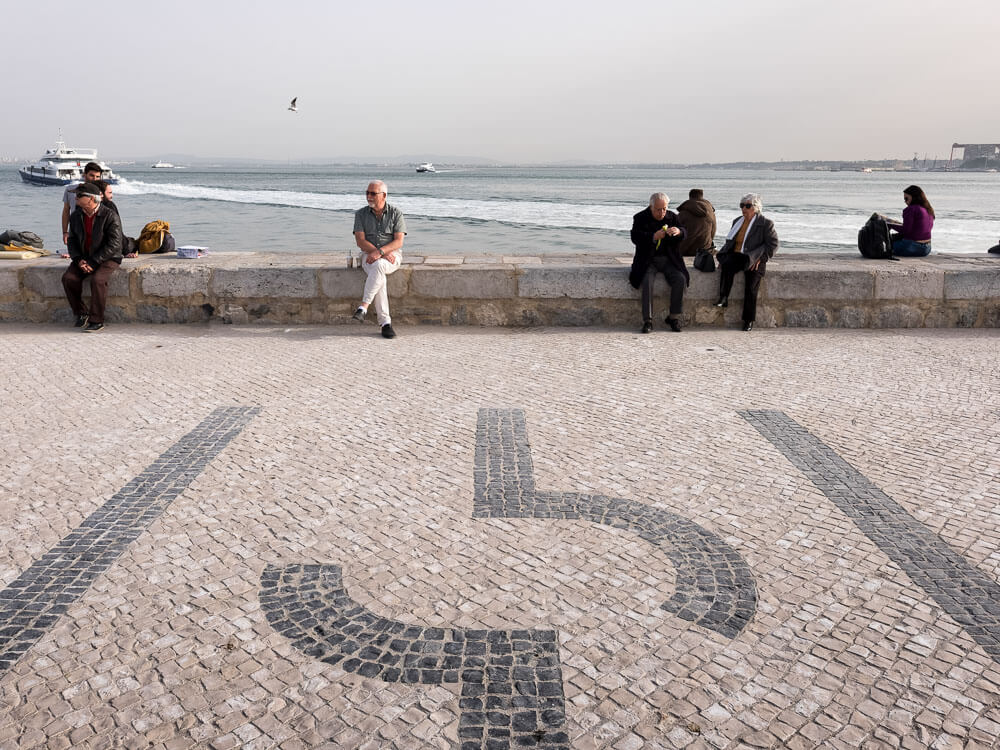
x,y
72,281
647,293
677,284
375,286
99,289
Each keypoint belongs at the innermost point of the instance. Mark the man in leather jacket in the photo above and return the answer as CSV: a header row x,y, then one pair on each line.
x,y
95,251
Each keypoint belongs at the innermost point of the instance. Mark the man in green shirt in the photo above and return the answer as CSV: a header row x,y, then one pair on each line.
x,y
379,230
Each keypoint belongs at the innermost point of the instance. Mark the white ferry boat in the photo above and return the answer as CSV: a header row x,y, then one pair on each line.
x,y
62,165
162,165
426,167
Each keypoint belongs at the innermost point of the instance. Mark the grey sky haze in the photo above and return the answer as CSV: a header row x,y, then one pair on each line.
x,y
543,81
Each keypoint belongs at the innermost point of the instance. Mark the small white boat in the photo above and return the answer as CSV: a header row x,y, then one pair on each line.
x,y
426,167
162,165
62,165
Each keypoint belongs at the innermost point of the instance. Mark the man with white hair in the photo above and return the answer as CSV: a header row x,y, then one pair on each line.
x,y
95,249
379,230
751,242
657,234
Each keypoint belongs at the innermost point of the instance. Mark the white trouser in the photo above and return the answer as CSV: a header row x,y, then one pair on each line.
x,y
375,285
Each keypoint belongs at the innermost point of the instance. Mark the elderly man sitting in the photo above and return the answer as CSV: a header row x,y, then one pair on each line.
x,y
656,234
95,250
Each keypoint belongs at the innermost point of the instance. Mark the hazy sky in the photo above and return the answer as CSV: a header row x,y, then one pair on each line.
x,y
512,81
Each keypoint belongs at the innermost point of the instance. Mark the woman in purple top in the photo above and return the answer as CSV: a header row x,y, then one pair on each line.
x,y
914,238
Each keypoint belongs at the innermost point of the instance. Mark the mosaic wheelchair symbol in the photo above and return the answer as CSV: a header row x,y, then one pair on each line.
x,y
510,680
33,602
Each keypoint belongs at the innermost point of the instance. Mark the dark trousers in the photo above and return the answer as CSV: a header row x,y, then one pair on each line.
x,y
72,282
674,278
729,266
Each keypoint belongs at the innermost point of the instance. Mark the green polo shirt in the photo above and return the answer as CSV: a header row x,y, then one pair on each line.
x,y
377,231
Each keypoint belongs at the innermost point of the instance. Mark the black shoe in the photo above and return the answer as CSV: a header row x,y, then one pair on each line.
x,y
387,332
359,315
722,302
93,327
81,321
747,325
647,326
675,325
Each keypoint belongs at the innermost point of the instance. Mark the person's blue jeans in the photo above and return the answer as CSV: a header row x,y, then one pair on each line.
x,y
910,248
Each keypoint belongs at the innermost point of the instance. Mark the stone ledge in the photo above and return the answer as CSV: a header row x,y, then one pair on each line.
x,y
813,290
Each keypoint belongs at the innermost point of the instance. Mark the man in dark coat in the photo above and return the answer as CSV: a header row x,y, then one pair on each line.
x,y
95,250
697,216
656,234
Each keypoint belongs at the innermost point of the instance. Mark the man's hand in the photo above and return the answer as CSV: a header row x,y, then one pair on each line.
x,y
84,266
390,256
666,232
372,256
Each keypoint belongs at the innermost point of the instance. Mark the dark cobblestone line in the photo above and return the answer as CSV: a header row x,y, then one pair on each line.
x,y
715,587
34,601
963,591
510,680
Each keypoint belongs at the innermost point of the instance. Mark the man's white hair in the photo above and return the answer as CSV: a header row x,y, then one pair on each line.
x,y
753,199
658,197
381,186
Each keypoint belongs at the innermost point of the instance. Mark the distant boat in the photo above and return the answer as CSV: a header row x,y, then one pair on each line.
x,y
62,165
162,165
426,167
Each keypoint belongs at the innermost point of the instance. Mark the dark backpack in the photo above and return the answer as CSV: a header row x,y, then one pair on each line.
x,y
874,240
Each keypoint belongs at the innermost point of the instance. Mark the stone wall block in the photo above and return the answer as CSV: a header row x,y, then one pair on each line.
x,y
703,285
976,283
119,285
9,283
463,283
897,316
809,317
345,283
897,281
846,283
576,282
265,282
46,280
174,281
852,317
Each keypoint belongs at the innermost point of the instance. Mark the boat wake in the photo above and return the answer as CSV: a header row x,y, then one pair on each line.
x,y
538,213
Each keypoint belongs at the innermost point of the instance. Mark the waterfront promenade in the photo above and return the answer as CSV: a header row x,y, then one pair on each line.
x,y
218,536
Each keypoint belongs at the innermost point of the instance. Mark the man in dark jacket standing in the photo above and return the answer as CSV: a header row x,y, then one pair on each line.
x,y
697,216
656,234
95,250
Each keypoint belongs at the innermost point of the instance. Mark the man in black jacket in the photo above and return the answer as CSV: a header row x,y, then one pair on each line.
x,y
95,250
656,234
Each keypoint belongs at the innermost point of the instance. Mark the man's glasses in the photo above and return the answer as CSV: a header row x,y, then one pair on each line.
x,y
746,205
370,192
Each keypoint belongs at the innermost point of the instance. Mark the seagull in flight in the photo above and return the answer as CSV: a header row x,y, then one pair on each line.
x,y
292,106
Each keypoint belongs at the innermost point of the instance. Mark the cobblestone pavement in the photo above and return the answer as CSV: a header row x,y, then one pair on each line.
x,y
261,537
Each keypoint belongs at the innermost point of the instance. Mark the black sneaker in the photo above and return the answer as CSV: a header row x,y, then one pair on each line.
x,y
387,332
93,327
359,315
647,326
675,325
81,321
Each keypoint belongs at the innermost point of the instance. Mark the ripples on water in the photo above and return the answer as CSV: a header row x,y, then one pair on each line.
x,y
511,210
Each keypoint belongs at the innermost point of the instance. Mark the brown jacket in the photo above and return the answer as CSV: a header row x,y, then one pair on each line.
x,y
697,216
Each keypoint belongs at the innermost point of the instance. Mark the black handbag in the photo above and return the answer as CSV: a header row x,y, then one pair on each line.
x,y
704,261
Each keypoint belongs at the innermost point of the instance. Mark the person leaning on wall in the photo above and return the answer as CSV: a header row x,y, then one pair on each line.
x,y
751,242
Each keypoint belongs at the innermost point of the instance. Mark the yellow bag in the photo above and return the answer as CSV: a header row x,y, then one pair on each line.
x,y
151,237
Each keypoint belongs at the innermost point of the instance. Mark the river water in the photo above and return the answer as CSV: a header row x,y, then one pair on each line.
x,y
508,210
